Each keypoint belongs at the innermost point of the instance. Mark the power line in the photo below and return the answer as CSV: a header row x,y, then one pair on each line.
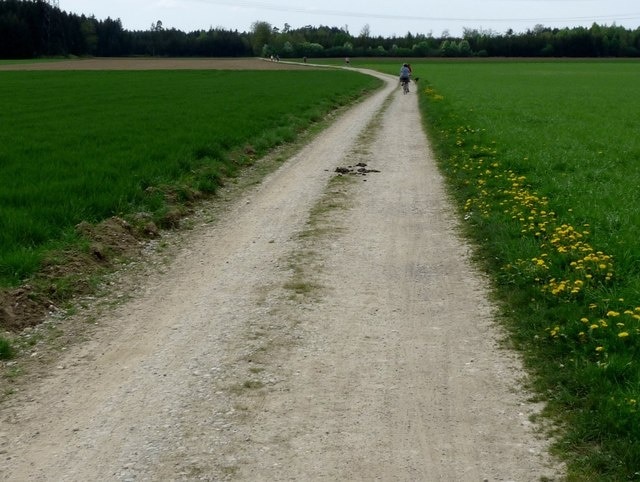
x,y
341,13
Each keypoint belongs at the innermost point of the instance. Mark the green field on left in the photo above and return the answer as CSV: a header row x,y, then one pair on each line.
x,y
84,146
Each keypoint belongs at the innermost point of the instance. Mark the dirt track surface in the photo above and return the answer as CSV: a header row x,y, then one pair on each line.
x,y
154,63
298,339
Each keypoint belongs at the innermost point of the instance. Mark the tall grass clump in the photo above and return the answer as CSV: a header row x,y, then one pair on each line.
x,y
85,146
6,349
544,162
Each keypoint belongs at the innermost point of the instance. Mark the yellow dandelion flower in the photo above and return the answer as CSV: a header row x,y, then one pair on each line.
x,y
599,348
623,334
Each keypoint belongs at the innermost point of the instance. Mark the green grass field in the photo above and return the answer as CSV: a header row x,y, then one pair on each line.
x,y
83,146
543,159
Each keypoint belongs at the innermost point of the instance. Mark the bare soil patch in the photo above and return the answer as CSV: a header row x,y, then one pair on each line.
x,y
152,63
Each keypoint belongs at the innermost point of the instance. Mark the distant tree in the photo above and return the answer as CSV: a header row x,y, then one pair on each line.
x,y
464,49
90,36
156,36
421,49
309,49
379,51
260,36
288,50
112,40
15,35
450,48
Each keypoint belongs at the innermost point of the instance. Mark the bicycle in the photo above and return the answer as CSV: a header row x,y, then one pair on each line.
x,y
405,85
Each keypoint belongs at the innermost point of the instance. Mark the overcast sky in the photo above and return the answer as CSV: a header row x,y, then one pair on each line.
x,y
384,18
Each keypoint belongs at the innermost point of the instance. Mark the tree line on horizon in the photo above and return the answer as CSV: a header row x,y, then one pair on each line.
x,y
35,28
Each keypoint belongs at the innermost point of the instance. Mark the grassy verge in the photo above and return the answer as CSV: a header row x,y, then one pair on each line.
x,y
544,162
83,147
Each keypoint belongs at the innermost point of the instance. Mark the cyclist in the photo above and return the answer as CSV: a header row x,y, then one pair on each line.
x,y
405,74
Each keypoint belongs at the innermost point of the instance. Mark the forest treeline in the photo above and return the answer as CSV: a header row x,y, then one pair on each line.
x,y
35,28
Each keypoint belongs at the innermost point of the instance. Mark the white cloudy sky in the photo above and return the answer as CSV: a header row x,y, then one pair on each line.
x,y
384,18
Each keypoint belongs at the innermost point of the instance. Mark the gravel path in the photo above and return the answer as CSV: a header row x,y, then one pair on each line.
x,y
324,329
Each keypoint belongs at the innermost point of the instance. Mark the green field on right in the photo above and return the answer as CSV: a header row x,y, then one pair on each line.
x,y
543,160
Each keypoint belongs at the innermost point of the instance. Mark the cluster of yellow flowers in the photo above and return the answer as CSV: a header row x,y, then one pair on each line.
x,y
615,324
532,211
564,249
485,172
430,92
599,331
632,404
585,264
567,243
524,205
560,287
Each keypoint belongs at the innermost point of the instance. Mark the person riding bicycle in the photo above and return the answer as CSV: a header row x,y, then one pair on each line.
x,y
405,74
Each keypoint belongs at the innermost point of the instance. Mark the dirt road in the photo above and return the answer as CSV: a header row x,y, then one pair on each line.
x,y
322,330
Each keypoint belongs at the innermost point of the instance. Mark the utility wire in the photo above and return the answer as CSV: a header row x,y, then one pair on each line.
x,y
341,13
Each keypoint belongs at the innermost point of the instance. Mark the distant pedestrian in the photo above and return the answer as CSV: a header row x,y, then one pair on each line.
x,y
347,61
